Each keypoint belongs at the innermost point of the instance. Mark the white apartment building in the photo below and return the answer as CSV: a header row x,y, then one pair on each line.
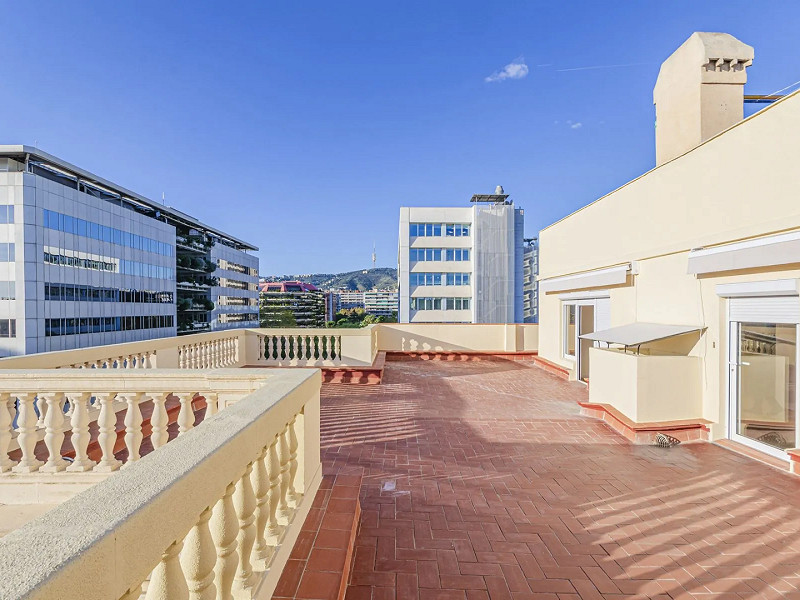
x,y
383,303
348,299
462,264
85,262
374,302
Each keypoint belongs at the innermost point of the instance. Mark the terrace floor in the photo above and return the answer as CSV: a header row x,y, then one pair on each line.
x,y
482,481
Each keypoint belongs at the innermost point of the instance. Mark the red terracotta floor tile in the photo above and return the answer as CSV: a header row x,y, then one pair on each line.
x,y
481,481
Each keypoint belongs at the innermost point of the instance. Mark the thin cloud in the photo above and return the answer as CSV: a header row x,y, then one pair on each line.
x,y
516,69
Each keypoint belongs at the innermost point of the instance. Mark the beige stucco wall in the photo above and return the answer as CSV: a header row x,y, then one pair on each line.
x,y
739,185
455,337
647,388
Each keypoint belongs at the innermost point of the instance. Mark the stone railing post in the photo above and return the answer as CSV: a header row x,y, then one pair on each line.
x,y
107,436
54,433
133,425
244,502
260,483
80,432
6,421
159,420
224,527
27,438
167,580
198,559
274,528
186,414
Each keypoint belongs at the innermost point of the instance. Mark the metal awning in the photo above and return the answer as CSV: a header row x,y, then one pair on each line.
x,y
636,334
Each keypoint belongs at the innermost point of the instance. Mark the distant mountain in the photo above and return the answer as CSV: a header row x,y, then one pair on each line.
x,y
383,278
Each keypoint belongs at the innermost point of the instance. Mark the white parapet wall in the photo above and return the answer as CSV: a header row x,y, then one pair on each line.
x,y
458,337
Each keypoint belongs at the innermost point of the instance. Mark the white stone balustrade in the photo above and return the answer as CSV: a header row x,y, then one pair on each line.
x,y
325,348
115,397
195,519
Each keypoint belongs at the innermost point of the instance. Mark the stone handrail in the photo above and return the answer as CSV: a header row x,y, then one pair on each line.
x,y
69,401
296,347
215,512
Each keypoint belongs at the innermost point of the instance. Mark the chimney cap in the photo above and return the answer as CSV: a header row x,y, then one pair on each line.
x,y
499,190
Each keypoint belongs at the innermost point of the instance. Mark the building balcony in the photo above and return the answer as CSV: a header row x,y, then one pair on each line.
x,y
163,469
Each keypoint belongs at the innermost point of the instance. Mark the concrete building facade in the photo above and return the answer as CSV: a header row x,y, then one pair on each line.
x,y
84,262
530,285
462,264
678,294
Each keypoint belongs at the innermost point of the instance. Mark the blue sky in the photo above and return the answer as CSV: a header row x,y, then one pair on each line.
x,y
303,127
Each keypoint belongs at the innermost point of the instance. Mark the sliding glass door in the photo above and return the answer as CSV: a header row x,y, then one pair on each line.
x,y
763,359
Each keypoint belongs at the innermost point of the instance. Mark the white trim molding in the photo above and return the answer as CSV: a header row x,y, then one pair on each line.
x,y
588,279
589,295
759,289
767,251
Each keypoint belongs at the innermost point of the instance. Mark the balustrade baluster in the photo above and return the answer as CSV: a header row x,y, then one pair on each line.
x,y
27,438
212,404
80,432
159,420
294,496
198,559
284,510
274,528
107,436
182,357
244,501
6,421
167,581
260,481
186,414
300,350
133,425
54,433
224,527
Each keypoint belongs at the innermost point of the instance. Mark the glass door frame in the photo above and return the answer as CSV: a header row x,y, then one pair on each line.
x,y
734,390
577,303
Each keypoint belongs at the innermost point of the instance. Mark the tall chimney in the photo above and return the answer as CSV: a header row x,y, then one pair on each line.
x,y
699,92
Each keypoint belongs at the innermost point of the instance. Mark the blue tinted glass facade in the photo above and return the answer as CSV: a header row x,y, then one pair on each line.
x,y
61,222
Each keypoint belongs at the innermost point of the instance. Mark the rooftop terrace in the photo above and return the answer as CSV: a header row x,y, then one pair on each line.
x,y
482,480
478,478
